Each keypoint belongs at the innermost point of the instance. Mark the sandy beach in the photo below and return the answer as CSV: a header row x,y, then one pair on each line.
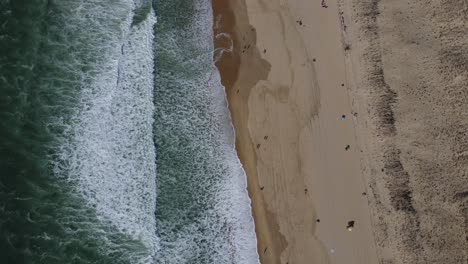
x,y
287,104
326,139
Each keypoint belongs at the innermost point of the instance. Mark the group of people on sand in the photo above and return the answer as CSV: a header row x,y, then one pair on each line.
x,y
324,4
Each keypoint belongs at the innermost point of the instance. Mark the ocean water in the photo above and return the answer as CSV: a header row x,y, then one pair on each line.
x,y
115,140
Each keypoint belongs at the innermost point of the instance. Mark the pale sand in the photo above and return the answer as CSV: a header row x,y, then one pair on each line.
x,y
409,60
290,136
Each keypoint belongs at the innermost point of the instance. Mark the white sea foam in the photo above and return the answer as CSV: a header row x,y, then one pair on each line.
x,y
112,157
233,199
218,52
232,210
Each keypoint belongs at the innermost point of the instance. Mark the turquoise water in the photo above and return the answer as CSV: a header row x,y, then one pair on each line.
x,y
116,144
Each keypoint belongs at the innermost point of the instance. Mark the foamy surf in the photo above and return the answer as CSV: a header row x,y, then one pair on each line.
x,y
119,146
193,131
112,157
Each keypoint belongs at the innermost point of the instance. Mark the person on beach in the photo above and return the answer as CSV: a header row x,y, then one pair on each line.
x,y
324,4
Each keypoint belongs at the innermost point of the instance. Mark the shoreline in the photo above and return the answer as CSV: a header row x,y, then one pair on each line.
x,y
224,15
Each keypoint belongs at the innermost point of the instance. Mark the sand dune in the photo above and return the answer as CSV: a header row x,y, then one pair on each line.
x,y
410,64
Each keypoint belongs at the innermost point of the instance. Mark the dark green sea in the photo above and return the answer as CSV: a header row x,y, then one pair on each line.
x,y
116,145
